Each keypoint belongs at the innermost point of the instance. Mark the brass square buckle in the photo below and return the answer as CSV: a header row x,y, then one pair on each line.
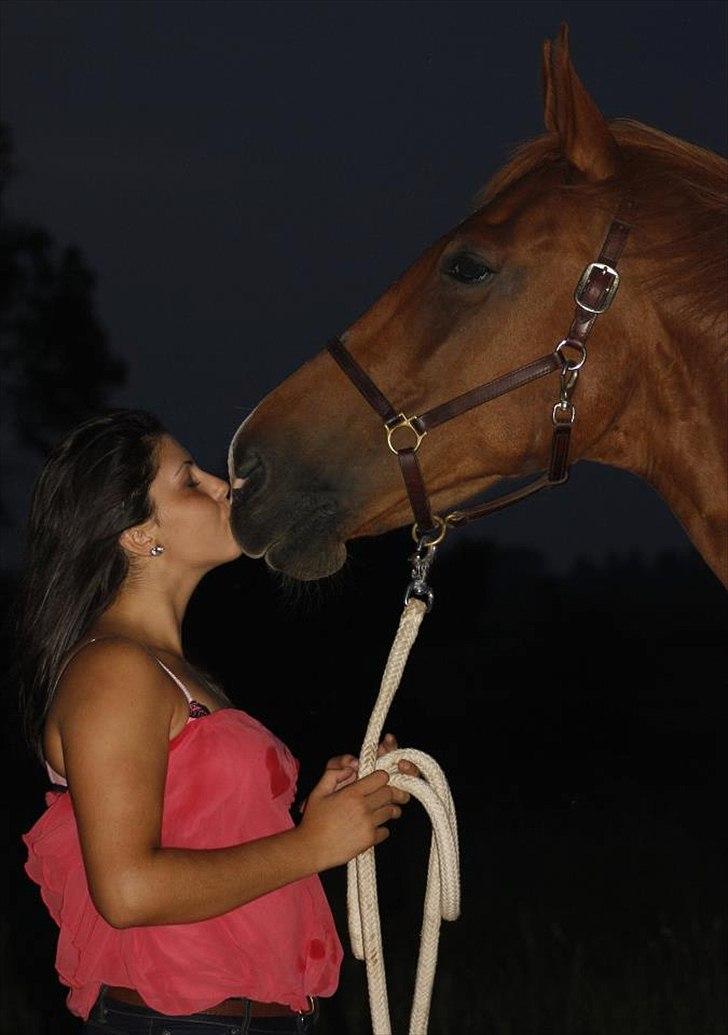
x,y
584,283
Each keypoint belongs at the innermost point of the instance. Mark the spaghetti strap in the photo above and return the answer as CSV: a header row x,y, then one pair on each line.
x,y
177,680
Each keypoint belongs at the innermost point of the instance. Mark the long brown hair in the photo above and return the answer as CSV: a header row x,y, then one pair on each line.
x,y
94,485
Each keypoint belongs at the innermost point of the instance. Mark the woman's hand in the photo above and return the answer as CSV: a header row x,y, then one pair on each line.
x,y
344,816
389,743
348,765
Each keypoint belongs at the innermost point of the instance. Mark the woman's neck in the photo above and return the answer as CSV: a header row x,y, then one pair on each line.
x,y
152,614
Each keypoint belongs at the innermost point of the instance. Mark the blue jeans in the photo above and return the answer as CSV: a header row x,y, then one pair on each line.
x,y
111,1017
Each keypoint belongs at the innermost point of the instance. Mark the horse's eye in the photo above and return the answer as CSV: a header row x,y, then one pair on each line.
x,y
467,268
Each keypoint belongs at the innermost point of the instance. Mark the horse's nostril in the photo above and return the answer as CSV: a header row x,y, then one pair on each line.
x,y
244,467
247,474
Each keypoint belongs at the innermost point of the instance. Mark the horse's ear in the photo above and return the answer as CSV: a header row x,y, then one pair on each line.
x,y
586,140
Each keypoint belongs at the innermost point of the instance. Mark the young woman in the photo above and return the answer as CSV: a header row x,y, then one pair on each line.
x,y
182,888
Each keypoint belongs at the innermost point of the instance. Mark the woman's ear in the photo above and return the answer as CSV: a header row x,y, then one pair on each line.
x,y
139,539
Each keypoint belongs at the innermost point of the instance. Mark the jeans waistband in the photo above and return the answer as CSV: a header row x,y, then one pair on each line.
x,y
131,1019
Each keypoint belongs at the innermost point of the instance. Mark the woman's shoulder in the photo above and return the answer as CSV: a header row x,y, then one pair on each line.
x,y
103,668
107,687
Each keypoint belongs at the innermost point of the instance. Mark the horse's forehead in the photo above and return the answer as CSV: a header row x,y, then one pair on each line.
x,y
530,193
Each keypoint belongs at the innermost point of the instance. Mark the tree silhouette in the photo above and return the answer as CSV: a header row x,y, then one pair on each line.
x,y
56,365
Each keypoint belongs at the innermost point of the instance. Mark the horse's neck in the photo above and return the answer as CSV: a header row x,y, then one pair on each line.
x,y
672,432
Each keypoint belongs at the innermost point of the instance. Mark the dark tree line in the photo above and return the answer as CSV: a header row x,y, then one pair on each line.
x,y
56,365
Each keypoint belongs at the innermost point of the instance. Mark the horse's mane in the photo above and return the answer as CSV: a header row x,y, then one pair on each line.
x,y
682,210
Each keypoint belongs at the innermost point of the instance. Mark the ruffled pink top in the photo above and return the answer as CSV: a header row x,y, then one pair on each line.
x,y
229,780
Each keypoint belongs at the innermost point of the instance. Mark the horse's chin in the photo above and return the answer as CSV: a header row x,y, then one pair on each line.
x,y
306,561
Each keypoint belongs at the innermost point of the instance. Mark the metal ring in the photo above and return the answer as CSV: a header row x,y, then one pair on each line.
x,y
431,542
564,359
403,421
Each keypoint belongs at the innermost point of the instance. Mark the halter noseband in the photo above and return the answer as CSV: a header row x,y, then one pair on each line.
x,y
593,295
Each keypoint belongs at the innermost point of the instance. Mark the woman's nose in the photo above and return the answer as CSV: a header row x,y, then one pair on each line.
x,y
221,488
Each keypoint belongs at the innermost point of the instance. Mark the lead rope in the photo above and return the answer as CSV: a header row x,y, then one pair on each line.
x,y
442,896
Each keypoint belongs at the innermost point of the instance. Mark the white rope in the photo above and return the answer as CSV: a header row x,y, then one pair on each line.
x,y
442,897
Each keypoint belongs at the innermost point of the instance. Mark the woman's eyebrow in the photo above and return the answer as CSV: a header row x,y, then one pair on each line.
x,y
190,462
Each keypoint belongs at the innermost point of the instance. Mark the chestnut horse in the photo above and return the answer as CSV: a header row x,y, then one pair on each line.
x,y
310,465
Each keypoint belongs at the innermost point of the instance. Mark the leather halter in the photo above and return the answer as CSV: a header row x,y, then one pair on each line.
x,y
593,295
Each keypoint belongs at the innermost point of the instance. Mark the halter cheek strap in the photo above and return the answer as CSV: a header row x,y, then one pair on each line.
x,y
593,295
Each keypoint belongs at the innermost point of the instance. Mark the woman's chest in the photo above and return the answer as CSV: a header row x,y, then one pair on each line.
x,y
230,756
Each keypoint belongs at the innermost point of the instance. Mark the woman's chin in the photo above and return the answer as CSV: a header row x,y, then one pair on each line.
x,y
234,551
231,552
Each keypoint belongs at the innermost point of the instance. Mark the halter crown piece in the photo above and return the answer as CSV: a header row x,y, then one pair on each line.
x,y
593,295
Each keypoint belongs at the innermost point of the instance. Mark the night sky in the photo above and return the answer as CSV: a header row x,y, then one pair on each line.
x,y
247,178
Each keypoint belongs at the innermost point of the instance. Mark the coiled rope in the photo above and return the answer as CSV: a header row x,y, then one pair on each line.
x,y
442,896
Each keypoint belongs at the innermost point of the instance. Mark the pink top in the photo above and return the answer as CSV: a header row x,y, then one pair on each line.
x,y
229,780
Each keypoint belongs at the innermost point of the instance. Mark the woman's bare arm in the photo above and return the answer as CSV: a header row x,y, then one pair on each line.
x,y
114,723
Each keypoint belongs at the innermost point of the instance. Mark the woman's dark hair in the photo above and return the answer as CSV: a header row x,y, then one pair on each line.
x,y
94,485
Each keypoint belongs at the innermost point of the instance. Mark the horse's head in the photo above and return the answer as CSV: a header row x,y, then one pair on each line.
x,y
490,295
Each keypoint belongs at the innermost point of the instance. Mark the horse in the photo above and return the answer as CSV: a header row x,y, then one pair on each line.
x,y
309,466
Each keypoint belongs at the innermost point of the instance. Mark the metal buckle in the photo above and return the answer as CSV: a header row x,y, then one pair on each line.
x,y
583,282
402,421
566,408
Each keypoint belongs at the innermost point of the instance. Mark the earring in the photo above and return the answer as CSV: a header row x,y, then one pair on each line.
x,y
156,550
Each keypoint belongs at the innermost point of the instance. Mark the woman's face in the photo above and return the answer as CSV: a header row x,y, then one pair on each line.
x,y
192,510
